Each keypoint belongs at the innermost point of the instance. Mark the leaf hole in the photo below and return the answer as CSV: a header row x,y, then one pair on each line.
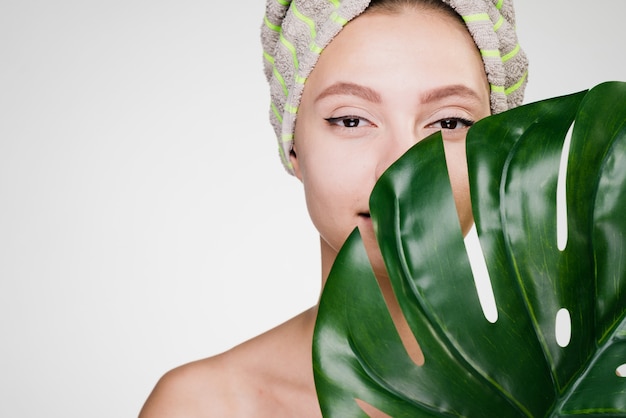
x,y
405,333
370,410
482,281
563,328
561,194
621,371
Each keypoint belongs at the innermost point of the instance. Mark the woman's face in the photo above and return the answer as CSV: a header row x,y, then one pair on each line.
x,y
384,83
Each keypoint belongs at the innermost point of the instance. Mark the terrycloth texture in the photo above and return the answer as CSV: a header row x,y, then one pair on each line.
x,y
295,32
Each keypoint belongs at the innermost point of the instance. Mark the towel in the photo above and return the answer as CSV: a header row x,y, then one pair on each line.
x,y
295,32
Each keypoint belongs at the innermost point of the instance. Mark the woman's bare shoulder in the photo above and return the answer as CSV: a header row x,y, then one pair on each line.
x,y
198,389
269,375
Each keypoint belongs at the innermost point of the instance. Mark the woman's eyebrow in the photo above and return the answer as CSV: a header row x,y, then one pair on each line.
x,y
352,89
457,90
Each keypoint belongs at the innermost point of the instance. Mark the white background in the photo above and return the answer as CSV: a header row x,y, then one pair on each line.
x,y
145,219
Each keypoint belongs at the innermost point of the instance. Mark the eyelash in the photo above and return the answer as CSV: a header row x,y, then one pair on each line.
x,y
466,122
335,121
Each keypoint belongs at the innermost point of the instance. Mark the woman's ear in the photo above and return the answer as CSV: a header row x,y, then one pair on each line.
x,y
293,159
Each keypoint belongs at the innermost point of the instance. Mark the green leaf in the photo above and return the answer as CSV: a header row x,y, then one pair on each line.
x,y
515,366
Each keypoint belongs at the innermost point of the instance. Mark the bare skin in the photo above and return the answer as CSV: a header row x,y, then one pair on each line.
x,y
267,376
433,83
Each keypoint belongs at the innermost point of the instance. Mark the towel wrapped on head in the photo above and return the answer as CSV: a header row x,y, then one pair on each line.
x,y
295,32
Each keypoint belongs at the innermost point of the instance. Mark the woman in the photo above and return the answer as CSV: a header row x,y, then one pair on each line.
x,y
398,71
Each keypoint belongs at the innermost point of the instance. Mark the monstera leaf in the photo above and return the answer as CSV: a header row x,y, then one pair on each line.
x,y
554,247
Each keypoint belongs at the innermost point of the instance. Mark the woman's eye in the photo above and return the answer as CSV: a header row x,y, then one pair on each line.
x,y
348,121
453,123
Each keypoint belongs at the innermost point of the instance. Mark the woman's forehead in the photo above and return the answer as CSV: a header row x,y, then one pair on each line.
x,y
377,52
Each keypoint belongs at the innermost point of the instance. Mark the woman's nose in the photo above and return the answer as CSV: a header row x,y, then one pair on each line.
x,y
393,148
